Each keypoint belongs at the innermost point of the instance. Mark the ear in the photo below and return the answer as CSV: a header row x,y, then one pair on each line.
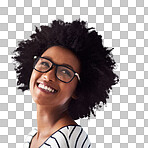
x,y
74,96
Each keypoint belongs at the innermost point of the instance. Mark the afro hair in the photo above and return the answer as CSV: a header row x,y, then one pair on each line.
x,y
97,63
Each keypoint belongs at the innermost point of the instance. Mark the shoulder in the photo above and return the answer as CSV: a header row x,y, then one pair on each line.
x,y
69,137
78,137
29,138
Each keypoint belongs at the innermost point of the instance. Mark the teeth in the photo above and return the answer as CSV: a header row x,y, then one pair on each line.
x,y
46,88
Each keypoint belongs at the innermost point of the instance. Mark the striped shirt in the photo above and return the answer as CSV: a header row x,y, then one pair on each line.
x,y
71,136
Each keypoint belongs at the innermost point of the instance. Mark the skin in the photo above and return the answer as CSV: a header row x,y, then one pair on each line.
x,y
52,111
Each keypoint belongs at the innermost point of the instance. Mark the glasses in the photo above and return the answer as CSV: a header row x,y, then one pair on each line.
x,y
62,72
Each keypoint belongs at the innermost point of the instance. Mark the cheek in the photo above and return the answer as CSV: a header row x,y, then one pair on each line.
x,y
32,80
69,89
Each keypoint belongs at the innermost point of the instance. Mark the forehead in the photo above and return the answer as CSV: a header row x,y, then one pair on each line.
x,y
60,55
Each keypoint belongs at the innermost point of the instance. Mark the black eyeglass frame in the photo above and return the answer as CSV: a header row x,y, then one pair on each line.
x,y
56,65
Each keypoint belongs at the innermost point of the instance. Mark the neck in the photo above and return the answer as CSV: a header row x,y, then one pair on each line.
x,y
50,120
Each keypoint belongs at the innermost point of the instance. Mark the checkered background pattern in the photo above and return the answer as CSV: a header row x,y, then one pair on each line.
x,y
123,24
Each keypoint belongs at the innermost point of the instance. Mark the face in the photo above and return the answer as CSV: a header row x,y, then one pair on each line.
x,y
46,88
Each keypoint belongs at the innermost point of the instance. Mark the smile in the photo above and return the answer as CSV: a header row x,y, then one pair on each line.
x,y
47,88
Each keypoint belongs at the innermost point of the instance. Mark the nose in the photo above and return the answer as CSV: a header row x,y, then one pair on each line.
x,y
50,75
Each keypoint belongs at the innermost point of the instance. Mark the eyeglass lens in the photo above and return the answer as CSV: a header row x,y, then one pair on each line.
x,y
63,73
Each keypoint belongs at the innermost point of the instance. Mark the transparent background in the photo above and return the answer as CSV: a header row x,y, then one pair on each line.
x,y
123,25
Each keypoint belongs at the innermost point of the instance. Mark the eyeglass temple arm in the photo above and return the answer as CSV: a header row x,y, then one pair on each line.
x,y
35,57
76,74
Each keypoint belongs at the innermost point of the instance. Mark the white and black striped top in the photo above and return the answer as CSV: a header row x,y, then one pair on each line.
x,y
71,136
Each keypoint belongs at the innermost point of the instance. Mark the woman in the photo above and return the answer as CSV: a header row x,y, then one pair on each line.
x,y
69,72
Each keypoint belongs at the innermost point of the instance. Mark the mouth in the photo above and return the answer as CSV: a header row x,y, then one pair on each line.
x,y
46,88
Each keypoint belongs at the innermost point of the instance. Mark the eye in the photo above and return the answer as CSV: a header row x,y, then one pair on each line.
x,y
66,72
44,64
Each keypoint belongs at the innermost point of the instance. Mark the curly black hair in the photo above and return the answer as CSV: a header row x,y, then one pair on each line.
x,y
97,63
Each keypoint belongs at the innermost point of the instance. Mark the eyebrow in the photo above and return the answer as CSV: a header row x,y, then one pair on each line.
x,y
64,64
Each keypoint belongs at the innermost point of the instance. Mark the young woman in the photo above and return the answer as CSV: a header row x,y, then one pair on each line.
x,y
69,72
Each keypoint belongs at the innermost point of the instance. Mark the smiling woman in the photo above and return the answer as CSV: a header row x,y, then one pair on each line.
x,y
68,72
